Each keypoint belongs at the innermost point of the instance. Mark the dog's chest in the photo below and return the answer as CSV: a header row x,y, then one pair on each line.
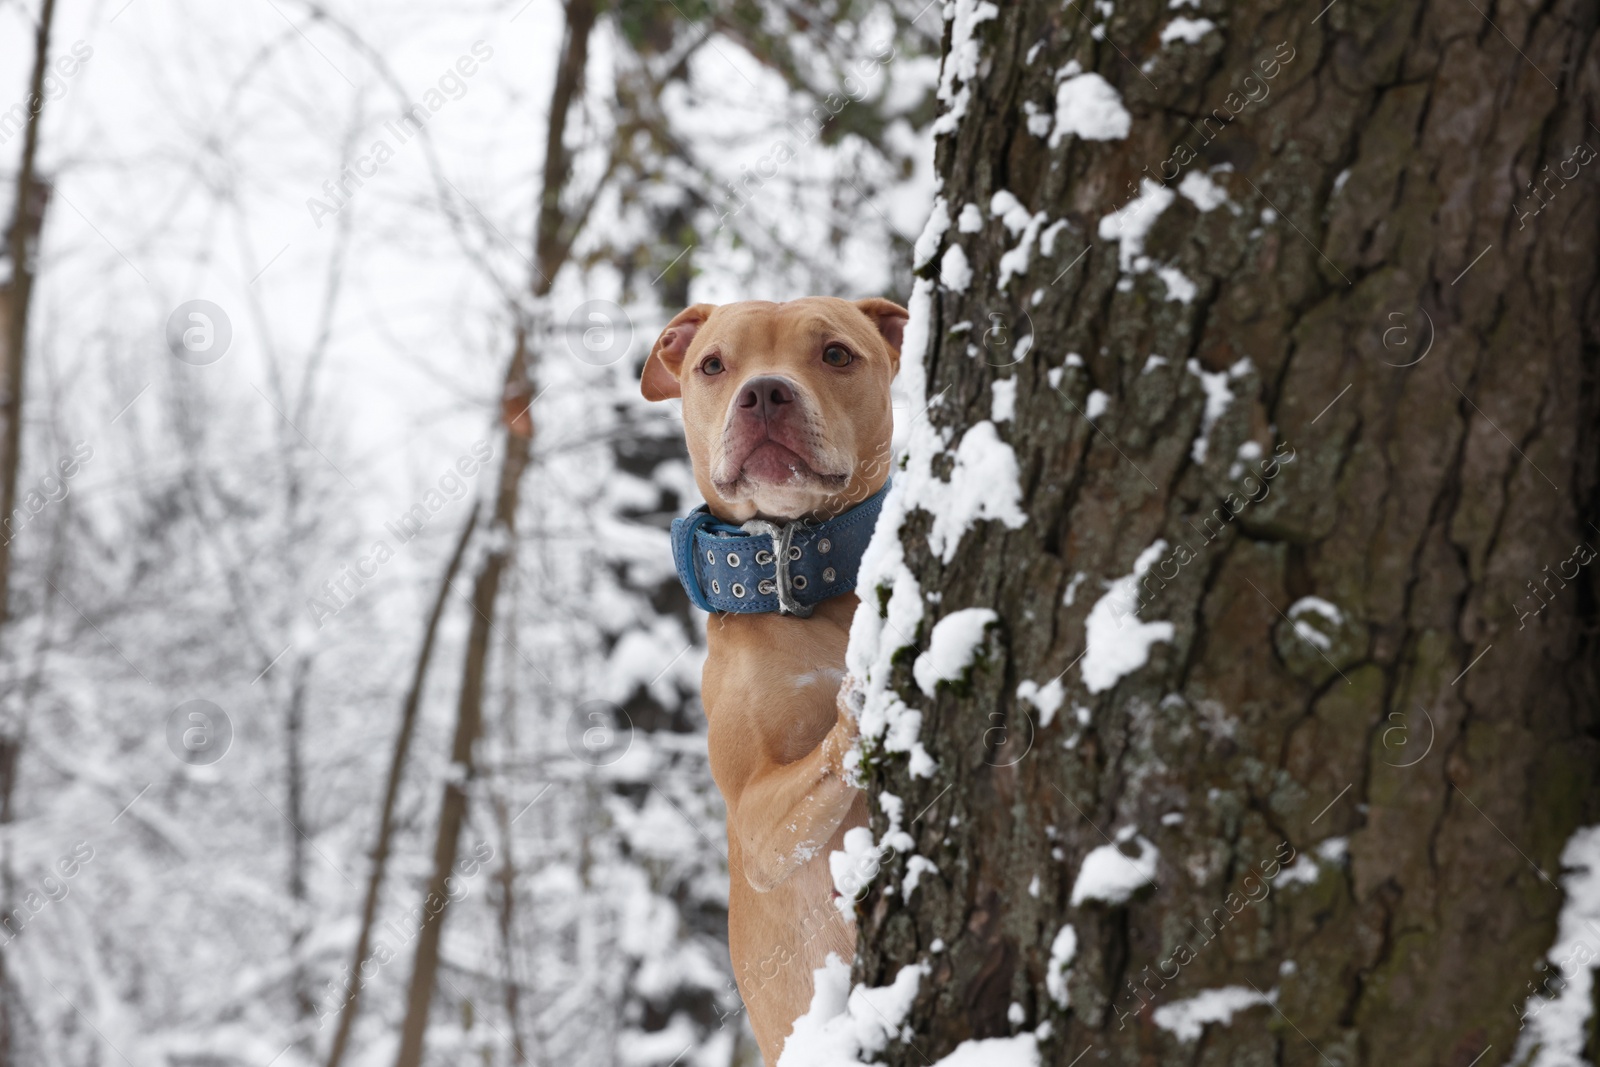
x,y
787,674
813,715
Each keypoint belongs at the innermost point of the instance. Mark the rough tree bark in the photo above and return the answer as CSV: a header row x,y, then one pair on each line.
x,y
1382,297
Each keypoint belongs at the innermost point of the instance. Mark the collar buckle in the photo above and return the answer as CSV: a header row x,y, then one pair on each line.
x,y
782,540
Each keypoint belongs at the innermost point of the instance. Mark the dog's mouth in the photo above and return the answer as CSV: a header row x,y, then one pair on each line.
x,y
771,457
770,462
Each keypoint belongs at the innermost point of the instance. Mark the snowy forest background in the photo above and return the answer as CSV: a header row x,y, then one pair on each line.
x,y
218,538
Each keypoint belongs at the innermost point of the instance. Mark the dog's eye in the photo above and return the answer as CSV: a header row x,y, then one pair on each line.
x,y
837,356
712,366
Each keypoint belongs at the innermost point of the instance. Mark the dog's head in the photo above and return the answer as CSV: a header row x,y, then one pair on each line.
x,y
785,406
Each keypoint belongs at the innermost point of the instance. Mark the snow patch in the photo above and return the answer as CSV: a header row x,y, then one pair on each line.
x,y
1003,408
843,1023
1047,698
1179,287
951,647
1186,30
1130,224
1096,404
1058,972
1218,397
1556,1026
1018,220
1201,191
1047,245
971,220
1311,634
983,485
1088,107
955,273
1114,648
1019,1051
961,61
916,867
1187,1019
1040,121
853,866
932,234
882,716
1110,876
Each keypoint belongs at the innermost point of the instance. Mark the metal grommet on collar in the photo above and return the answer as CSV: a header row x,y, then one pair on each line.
x,y
711,557
766,587
733,559
783,552
716,587
824,546
800,581
829,574
763,558
738,590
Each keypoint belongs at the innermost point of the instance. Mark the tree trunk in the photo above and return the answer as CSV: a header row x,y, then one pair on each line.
x,y
469,723
552,243
1307,582
350,1006
16,295
294,802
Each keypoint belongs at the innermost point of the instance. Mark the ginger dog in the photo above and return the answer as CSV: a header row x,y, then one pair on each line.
x,y
787,414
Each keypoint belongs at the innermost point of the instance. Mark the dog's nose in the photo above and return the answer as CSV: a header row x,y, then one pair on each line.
x,y
765,396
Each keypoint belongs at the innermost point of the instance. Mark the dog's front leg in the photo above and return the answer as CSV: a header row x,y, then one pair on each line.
x,y
787,812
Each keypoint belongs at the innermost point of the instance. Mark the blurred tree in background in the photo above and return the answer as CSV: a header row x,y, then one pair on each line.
x,y
481,303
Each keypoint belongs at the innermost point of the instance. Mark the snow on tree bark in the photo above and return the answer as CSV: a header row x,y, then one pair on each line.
x,y
1298,371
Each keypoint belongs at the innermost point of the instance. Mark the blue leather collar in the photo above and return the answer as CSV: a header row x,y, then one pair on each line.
x,y
762,567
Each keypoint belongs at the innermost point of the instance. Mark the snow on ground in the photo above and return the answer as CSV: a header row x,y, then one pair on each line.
x,y
1187,1019
1109,876
1118,642
1556,1026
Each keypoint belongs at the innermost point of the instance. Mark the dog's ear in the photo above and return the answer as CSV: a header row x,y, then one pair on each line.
x,y
660,379
890,319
